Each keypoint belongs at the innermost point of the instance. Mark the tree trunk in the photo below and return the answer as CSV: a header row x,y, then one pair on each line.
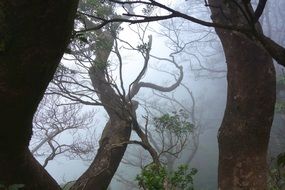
x,y
33,37
112,145
244,134
111,151
116,134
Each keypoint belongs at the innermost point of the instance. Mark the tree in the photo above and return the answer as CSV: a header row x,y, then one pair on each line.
x,y
56,119
270,21
30,49
33,38
171,130
171,138
157,177
251,86
248,119
92,51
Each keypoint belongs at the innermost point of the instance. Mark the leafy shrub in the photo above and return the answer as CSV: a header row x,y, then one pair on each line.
x,y
156,177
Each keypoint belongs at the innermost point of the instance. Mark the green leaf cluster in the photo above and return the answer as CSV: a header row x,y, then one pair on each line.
x,y
152,177
182,178
155,177
176,123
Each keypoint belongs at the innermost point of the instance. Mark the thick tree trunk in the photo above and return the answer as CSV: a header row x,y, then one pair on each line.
x,y
33,37
245,130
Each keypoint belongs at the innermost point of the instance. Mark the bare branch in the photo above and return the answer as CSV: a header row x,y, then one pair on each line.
x,y
259,9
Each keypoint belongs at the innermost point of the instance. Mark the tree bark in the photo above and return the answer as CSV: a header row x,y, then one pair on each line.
x,y
33,37
116,133
112,144
111,150
244,133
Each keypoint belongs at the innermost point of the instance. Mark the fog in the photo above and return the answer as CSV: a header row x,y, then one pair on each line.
x,y
204,70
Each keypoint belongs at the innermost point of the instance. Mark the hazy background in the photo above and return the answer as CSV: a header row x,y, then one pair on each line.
x,y
204,74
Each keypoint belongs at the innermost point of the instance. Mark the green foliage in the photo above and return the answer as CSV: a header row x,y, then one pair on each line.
x,y
182,178
155,177
176,123
277,173
159,177
152,177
